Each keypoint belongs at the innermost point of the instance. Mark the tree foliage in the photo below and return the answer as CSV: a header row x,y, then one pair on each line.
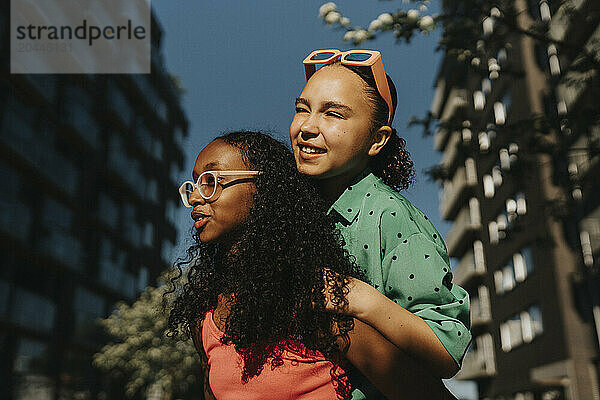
x,y
478,33
485,41
143,356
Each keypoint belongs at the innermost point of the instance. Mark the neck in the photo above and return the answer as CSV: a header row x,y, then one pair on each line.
x,y
332,188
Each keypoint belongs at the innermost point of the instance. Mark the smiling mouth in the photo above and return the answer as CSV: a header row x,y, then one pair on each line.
x,y
311,149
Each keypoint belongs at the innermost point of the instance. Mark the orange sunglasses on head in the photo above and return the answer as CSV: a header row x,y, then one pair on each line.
x,y
361,58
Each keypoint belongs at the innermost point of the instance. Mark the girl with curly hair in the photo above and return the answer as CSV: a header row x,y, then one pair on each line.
x,y
265,271
342,137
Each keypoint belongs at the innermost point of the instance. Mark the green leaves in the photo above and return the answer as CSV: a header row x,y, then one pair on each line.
x,y
143,354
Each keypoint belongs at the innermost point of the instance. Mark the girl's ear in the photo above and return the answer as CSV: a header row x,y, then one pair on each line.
x,y
380,138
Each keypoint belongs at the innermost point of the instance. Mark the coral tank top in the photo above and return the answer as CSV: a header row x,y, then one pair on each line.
x,y
298,378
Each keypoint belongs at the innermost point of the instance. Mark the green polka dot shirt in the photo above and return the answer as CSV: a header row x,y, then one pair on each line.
x,y
405,258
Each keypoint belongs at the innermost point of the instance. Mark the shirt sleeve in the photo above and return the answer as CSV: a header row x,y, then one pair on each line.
x,y
416,274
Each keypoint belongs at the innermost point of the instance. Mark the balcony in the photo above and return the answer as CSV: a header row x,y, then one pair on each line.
x,y
562,27
481,313
440,138
455,191
471,266
457,100
465,225
450,156
476,366
479,362
590,233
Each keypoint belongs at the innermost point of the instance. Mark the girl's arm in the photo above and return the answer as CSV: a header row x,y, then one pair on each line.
x,y
395,374
408,332
205,368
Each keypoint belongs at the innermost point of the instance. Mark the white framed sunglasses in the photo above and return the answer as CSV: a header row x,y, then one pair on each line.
x,y
209,186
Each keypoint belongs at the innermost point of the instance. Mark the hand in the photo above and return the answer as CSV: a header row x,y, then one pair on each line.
x,y
357,293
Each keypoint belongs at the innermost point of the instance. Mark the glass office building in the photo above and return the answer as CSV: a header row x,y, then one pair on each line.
x,y
89,166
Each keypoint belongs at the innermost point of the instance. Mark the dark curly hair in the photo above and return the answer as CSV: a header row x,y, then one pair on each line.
x,y
276,272
393,163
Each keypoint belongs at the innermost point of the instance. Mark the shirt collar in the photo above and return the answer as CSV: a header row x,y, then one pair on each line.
x,y
349,203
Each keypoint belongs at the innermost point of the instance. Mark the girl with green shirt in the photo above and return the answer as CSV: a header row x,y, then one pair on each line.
x,y
341,135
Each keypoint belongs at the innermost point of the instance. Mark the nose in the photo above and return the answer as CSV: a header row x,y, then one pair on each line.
x,y
309,128
195,198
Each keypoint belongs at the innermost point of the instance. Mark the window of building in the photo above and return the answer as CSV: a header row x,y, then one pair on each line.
x,y
112,269
148,234
36,144
59,240
553,61
515,207
17,129
502,56
4,298
45,84
31,368
75,376
119,103
480,305
175,173
143,136
167,251
60,170
521,328
178,137
474,212
478,256
15,217
142,278
524,396
499,113
508,156
132,231
518,268
117,155
149,93
488,186
158,149
484,142
77,106
480,354
497,176
87,307
32,310
493,68
108,210
152,190
478,100
171,212
466,133
545,14
128,168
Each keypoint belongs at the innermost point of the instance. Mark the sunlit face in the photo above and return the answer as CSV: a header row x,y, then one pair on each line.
x,y
331,130
214,220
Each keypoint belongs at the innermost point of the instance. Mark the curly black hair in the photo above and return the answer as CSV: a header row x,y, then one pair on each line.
x,y
393,163
276,272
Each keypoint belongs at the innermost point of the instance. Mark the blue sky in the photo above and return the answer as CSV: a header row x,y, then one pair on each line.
x,y
240,64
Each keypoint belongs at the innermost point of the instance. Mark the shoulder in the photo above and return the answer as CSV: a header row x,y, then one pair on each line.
x,y
398,218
